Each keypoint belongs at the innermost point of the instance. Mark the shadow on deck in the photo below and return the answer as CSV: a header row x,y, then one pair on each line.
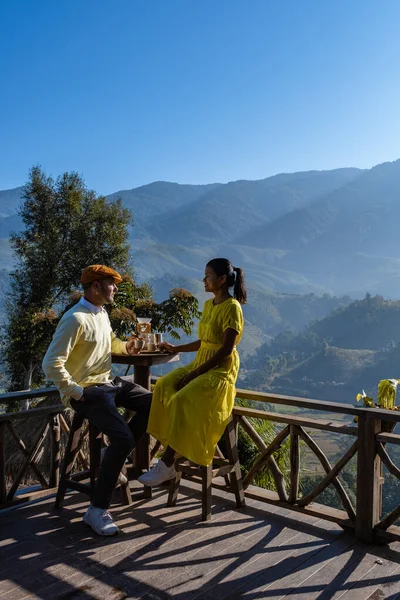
x,y
163,553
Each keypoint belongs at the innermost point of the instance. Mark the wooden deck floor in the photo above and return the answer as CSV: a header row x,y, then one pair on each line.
x,y
168,553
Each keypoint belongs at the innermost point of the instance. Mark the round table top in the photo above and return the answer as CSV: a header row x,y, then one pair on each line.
x,y
144,358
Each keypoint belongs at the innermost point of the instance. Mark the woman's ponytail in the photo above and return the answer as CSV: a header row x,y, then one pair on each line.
x,y
239,289
234,277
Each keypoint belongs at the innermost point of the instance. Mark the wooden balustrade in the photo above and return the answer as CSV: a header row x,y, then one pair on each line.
x,y
368,439
47,437
373,432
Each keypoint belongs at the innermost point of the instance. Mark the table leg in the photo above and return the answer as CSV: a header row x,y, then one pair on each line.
x,y
141,376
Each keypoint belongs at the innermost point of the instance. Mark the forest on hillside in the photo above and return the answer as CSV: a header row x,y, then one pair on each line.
x,y
353,347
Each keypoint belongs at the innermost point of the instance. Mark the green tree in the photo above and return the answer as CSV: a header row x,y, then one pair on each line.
x,y
67,227
174,315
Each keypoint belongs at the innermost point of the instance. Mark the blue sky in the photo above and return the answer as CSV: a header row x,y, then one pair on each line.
x,y
196,91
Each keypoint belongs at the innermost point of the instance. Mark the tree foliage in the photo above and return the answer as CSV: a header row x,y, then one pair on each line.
x,y
174,315
68,227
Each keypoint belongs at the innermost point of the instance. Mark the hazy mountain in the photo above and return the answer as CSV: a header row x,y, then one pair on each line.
x,y
346,241
10,201
149,201
161,196
10,223
373,194
317,231
227,212
331,364
371,323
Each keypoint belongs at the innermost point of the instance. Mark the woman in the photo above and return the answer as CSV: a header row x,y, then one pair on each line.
x,y
191,406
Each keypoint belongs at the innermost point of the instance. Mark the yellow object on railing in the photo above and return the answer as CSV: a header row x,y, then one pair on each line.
x,y
387,393
387,389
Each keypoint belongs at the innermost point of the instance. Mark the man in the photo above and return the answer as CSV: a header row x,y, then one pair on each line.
x,y
78,360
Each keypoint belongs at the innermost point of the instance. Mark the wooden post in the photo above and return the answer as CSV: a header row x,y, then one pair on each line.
x,y
142,450
55,451
231,436
368,478
142,375
294,464
174,488
71,450
3,489
206,485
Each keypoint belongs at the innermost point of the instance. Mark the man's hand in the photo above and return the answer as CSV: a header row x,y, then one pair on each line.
x,y
187,379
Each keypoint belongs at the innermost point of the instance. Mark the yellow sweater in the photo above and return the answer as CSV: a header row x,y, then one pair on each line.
x,y
80,351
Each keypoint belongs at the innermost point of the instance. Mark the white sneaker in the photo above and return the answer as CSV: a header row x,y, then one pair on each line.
x,y
122,480
100,521
158,474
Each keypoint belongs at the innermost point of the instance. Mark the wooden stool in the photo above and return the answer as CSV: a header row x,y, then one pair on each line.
x,y
227,467
74,481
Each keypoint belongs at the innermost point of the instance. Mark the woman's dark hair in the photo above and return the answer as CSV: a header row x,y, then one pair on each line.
x,y
234,277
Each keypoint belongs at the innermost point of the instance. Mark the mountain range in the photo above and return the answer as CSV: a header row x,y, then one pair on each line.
x,y
315,232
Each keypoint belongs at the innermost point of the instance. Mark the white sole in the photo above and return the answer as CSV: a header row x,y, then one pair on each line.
x,y
100,534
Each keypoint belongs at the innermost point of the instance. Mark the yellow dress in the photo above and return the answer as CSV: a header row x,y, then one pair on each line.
x,y
193,419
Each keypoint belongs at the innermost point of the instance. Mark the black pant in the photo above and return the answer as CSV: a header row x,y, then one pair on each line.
x,y
99,406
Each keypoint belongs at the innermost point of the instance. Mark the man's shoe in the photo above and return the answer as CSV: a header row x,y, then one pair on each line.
x,y
100,521
122,480
158,474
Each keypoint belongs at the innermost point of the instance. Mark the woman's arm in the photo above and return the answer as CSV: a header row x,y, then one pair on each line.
x,y
190,347
228,344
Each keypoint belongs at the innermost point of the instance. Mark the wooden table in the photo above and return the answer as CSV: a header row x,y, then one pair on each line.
x,y
142,364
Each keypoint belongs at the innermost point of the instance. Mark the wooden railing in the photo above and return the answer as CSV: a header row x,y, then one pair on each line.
x,y
371,435
48,434
368,439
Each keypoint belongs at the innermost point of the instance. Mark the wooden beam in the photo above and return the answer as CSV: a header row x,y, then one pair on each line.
x,y
319,511
231,439
320,424
32,455
32,412
327,468
294,464
28,394
155,449
3,487
263,458
81,455
29,497
319,405
385,458
391,518
25,452
55,431
388,438
334,407
368,479
329,477
277,474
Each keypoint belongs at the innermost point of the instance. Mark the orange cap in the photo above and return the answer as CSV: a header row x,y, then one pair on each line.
x,y
98,272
